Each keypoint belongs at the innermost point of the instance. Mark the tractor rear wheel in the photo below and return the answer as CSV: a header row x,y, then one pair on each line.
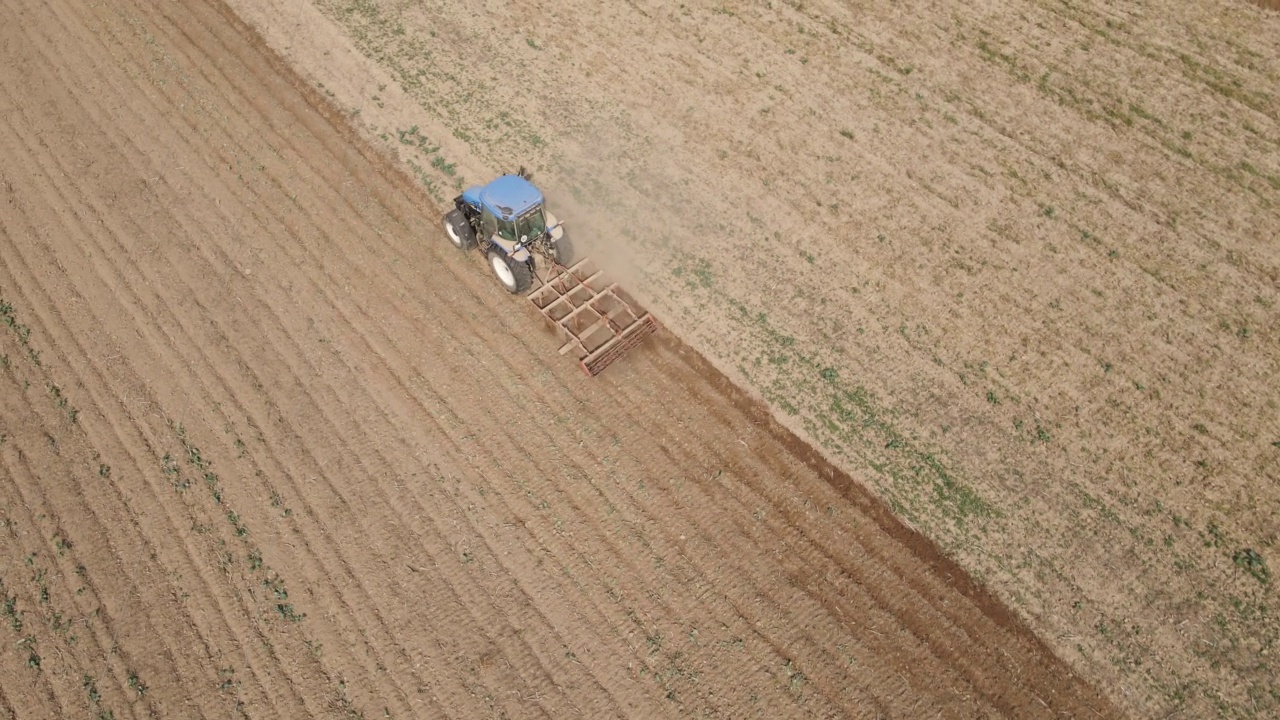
x,y
515,275
459,230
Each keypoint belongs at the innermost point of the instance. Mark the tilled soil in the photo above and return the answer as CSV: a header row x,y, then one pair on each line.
x,y
270,448
1011,265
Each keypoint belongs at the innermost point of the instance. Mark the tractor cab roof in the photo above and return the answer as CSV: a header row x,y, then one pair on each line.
x,y
508,196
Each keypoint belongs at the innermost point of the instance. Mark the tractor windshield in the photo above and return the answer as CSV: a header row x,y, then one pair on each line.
x,y
532,224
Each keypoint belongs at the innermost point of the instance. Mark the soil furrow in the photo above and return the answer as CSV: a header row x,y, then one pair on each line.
x,y
49,441
122,502
142,466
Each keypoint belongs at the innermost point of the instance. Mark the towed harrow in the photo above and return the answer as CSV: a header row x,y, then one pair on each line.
x,y
596,319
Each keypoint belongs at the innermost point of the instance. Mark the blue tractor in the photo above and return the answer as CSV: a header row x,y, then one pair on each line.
x,y
508,221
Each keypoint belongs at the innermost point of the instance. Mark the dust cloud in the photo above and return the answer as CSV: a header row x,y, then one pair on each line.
x,y
622,204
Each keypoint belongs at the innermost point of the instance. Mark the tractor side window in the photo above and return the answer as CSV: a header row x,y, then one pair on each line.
x,y
488,223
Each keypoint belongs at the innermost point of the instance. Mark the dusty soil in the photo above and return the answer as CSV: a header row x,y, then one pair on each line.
x,y
270,448
1010,265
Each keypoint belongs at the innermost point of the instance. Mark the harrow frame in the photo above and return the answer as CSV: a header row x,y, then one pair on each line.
x,y
594,317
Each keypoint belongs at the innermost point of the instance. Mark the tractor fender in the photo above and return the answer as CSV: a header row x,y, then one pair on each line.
x,y
554,223
521,255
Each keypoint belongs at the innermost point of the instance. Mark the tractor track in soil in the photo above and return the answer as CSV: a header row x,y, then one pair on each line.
x,y
232,291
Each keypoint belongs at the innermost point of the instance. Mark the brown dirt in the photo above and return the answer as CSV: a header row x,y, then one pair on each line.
x,y
1010,265
269,448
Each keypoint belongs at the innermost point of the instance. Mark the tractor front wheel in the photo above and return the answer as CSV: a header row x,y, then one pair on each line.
x,y
459,230
515,275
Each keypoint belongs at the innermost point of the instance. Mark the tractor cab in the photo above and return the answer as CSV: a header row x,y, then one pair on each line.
x,y
510,213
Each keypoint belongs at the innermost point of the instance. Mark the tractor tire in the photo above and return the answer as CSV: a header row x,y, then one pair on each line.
x,y
564,250
516,276
459,230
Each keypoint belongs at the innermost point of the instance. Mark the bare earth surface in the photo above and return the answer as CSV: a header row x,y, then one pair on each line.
x,y
270,448
1012,265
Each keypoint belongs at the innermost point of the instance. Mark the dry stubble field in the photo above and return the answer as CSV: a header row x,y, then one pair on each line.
x,y
1011,265
270,448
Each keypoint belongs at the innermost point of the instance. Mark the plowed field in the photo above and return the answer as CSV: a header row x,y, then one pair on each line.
x,y
1011,265
270,448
